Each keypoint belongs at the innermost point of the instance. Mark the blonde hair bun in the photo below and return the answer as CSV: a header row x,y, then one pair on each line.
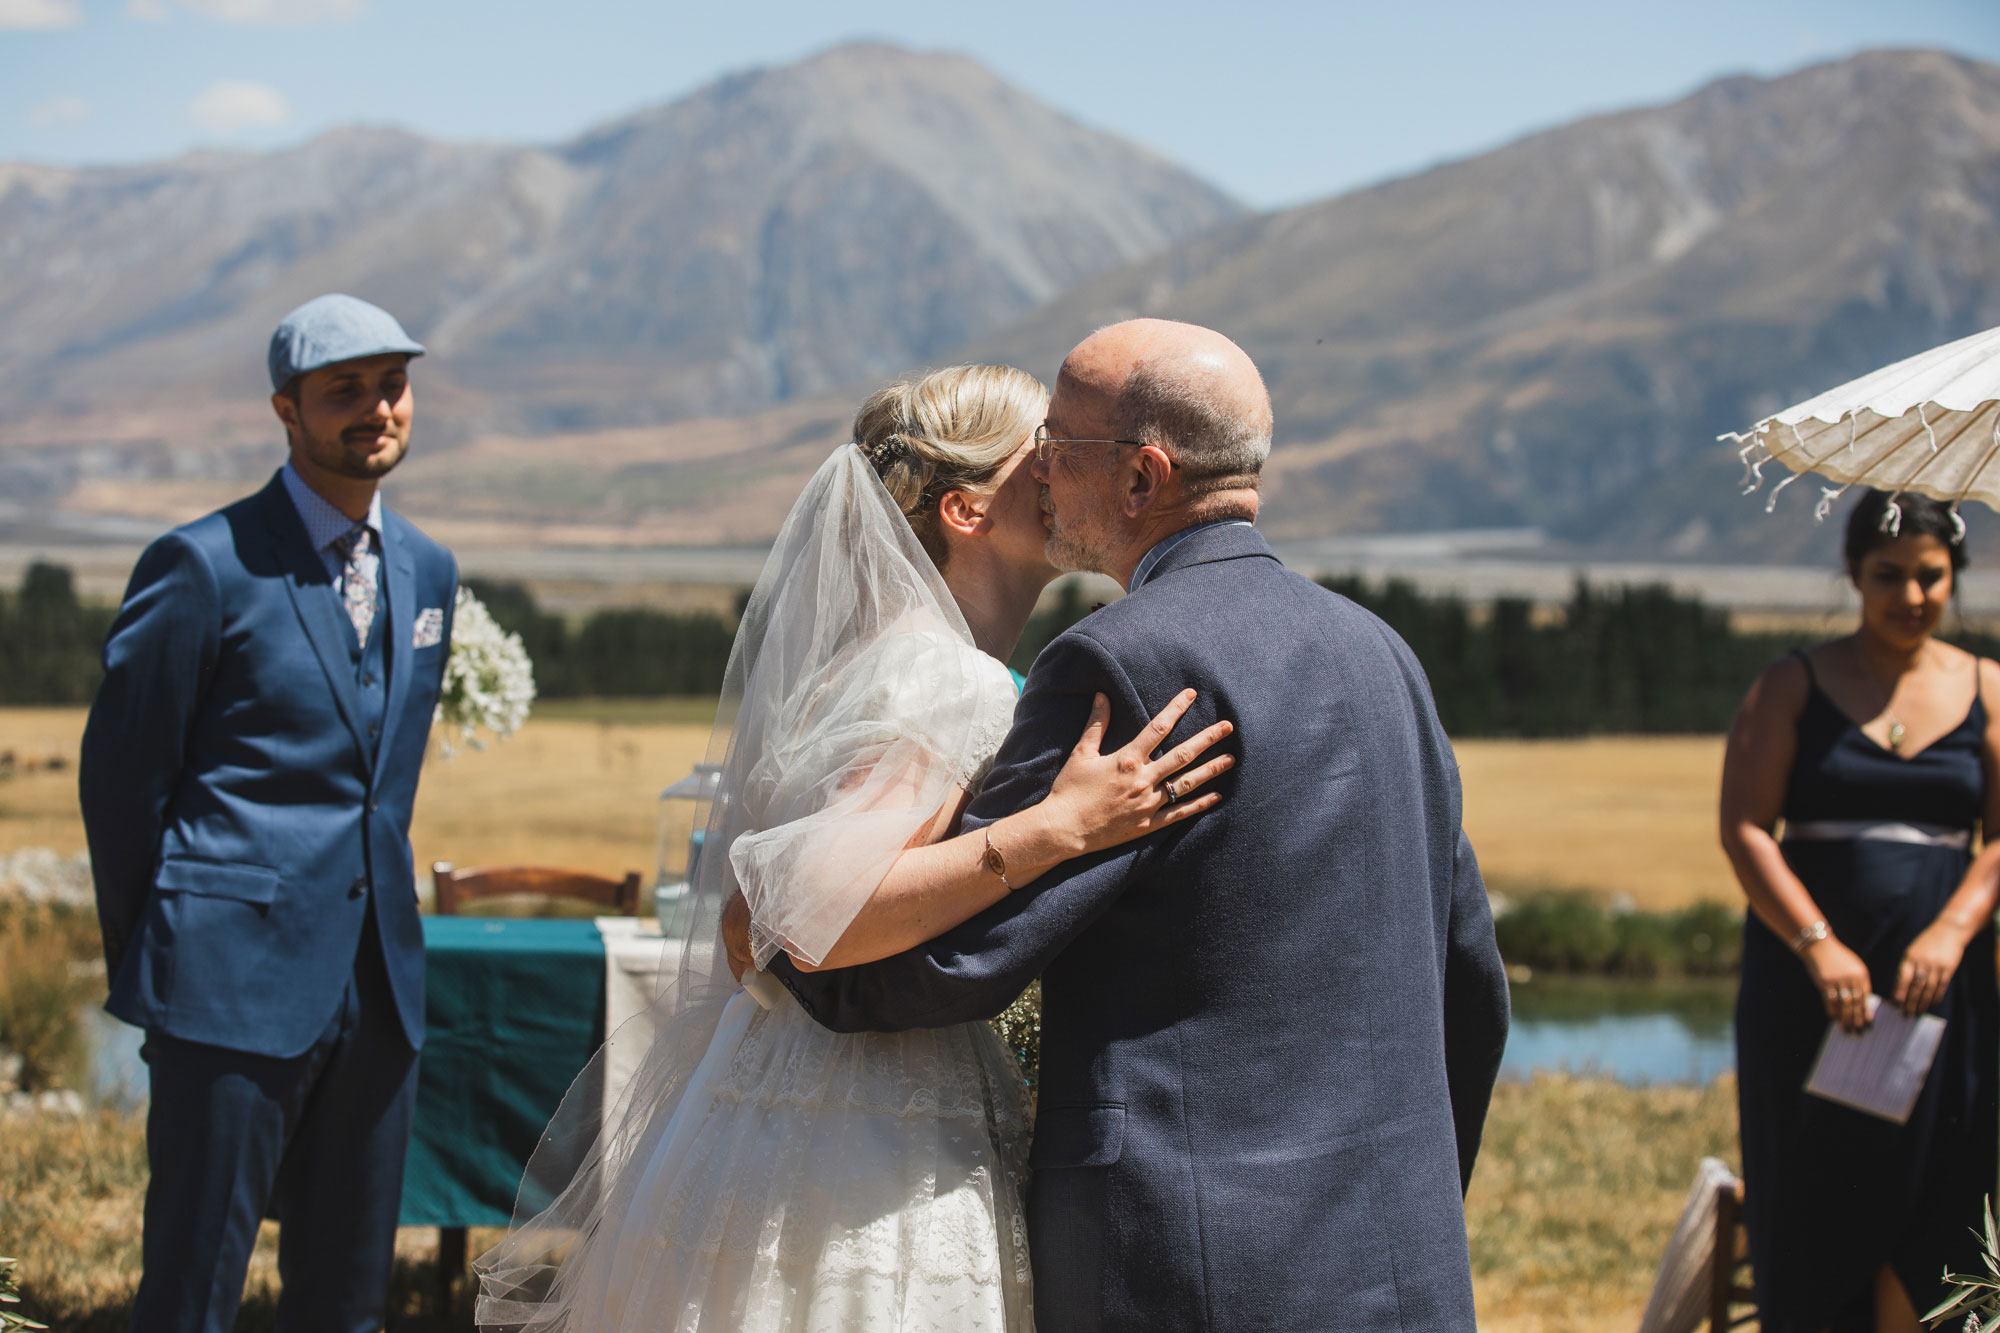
x,y
950,430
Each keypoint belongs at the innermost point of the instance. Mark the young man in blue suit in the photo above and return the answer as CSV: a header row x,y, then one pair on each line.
x,y
247,777
1268,1034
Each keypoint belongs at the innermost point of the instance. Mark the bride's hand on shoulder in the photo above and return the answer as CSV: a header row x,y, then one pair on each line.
x,y
1101,800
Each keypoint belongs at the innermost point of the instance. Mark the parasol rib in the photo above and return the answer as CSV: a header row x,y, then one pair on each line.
x,y
1937,451
1979,469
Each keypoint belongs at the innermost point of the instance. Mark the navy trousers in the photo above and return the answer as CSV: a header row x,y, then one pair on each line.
x,y
317,1141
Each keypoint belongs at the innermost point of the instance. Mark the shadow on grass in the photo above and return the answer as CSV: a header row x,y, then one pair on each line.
x,y
414,1307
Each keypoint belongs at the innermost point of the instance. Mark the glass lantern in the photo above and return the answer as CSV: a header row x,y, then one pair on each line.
x,y
683,815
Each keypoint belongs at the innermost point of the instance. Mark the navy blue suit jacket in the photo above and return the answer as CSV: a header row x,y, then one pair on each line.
x,y
242,823
1269,1035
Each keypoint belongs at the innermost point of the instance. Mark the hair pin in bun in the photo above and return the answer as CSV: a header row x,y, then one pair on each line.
x,y
1957,527
881,451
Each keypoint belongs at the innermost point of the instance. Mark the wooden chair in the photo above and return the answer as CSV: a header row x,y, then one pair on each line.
x,y
456,890
1726,1289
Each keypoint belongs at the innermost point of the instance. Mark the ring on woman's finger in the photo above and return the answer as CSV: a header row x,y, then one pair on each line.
x,y
1173,791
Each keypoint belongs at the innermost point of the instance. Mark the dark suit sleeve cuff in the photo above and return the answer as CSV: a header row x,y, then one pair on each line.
x,y
797,983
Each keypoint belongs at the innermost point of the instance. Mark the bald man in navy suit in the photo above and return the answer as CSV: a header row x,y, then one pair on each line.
x,y
1269,1035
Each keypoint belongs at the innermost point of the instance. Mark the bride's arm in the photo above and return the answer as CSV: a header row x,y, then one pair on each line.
x,y
1098,800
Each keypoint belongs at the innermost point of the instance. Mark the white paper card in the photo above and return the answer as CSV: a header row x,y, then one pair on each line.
x,y
1880,1069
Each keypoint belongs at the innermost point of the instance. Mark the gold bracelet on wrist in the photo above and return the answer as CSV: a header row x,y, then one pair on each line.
x,y
1810,935
994,861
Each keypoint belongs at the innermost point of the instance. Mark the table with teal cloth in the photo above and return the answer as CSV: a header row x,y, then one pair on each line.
x,y
513,1011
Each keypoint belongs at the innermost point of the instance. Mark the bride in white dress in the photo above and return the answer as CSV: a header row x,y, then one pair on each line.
x,y
760,1174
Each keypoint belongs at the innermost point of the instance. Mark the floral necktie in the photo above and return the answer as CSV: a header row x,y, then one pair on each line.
x,y
357,579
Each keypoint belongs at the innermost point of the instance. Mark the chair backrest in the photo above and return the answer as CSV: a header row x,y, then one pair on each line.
x,y
456,888
1697,1277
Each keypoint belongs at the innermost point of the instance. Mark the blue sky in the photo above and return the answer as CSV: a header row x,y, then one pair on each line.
x,y
1277,102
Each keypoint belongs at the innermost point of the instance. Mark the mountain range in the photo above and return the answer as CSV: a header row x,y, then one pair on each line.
x,y
776,233
652,332
1552,334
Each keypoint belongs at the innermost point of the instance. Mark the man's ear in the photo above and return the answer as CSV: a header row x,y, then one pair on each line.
x,y
1151,469
288,412
959,513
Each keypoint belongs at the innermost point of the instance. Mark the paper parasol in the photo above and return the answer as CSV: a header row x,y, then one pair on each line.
x,y
1930,424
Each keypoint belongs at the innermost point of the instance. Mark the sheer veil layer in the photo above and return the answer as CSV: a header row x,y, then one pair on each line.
x,y
842,730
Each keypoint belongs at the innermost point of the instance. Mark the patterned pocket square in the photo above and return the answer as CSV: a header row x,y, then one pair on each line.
x,y
430,628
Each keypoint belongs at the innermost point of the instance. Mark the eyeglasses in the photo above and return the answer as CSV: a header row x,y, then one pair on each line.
x,y
1045,443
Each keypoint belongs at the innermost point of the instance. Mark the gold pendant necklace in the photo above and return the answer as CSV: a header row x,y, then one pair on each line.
x,y
1888,689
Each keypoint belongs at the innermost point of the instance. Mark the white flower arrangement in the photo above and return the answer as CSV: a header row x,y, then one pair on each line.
x,y
488,680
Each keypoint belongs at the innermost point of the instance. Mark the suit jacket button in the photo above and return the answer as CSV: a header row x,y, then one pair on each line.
x,y
367,679
371,807
358,887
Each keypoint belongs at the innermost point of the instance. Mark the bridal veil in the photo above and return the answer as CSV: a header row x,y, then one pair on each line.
x,y
838,741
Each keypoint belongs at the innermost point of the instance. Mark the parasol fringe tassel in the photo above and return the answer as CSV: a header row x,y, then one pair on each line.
x,y
1957,527
1753,456
1771,505
1892,517
1827,495
1927,427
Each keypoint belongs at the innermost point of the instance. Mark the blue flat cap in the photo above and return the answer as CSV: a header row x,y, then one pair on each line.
x,y
334,328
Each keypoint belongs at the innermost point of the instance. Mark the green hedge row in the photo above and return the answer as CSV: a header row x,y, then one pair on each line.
x,y
51,643
1610,660
619,652
1573,933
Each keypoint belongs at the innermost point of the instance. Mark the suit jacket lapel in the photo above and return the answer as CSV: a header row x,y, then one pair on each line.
x,y
313,598
401,626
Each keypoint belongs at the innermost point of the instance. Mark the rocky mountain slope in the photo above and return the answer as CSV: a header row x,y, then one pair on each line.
x,y
778,232
1552,334
652,333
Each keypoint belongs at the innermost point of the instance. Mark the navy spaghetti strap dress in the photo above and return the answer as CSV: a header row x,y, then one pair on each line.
x,y
1832,1194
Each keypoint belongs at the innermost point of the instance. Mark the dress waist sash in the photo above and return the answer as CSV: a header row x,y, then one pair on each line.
x,y
1877,830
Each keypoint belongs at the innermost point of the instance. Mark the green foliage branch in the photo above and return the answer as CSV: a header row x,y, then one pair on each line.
x,y
1975,1295
10,1294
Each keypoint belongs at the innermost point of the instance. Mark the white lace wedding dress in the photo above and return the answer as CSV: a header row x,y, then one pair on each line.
x,y
815,1180
765,1175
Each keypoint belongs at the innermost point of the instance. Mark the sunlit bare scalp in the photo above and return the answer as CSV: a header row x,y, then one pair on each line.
x,y
1199,419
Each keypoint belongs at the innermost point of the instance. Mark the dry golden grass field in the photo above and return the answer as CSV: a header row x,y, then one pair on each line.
x,y
578,786
1632,815
1576,1192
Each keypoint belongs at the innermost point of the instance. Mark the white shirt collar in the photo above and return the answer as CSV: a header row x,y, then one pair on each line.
x,y
1150,561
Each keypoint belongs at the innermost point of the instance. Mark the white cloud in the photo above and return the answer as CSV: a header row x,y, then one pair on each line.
x,y
289,13
148,11
231,105
40,13
59,111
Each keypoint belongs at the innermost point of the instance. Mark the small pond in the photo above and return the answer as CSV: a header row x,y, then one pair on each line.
x,y
1633,1031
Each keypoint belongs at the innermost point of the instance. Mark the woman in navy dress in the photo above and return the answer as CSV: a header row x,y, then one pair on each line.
x,y
1878,753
